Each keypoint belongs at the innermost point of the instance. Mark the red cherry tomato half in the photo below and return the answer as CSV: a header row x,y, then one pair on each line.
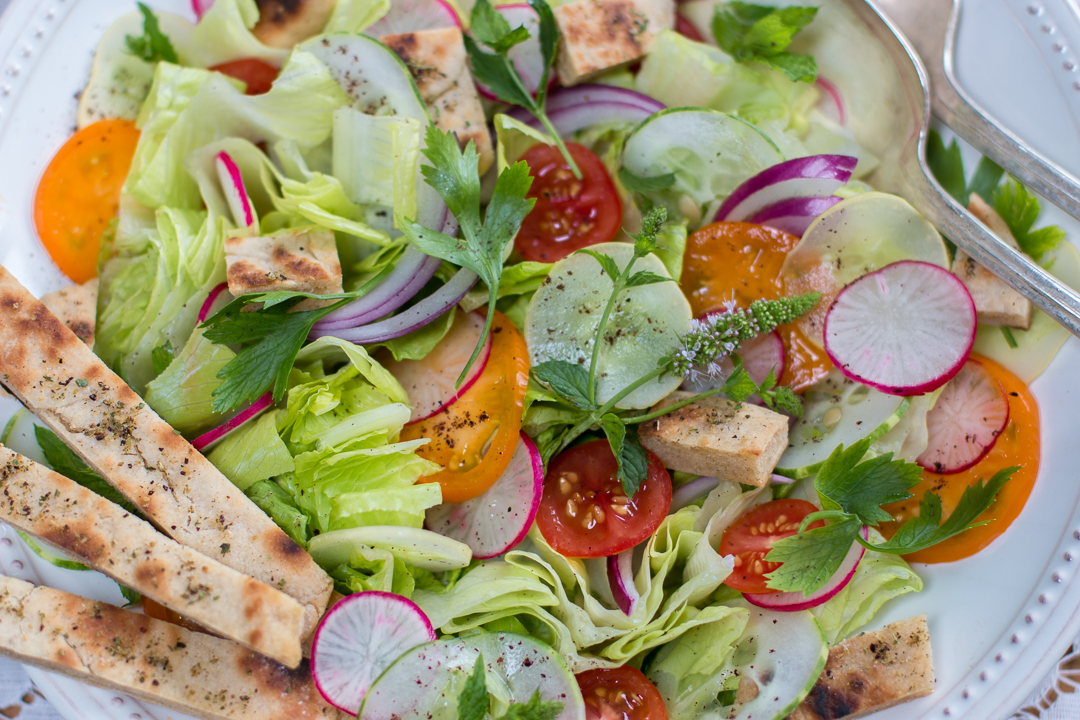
x,y
258,75
622,693
584,511
751,537
569,214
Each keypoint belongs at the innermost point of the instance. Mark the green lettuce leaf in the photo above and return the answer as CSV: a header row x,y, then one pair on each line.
x,y
879,578
181,395
278,503
419,343
519,279
253,452
224,34
374,569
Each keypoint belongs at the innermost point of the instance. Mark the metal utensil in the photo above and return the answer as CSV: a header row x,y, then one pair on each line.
x,y
891,117
931,25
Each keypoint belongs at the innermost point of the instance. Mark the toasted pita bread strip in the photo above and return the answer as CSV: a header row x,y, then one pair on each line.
x,y
872,671
151,660
106,537
71,390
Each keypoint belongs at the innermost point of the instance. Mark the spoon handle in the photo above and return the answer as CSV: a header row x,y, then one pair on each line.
x,y
1049,294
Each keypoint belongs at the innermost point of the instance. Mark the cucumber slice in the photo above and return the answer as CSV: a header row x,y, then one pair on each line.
x,y
371,74
837,410
426,681
710,152
783,653
414,546
565,312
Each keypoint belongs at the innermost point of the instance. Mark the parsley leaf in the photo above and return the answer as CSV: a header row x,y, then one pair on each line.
x,y
153,45
1019,208
63,460
638,184
472,703
568,380
986,178
810,558
133,597
535,709
454,175
162,356
927,529
860,488
762,33
497,70
947,166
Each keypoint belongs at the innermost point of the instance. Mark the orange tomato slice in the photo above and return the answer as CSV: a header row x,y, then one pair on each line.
x,y
742,261
1017,445
79,194
474,437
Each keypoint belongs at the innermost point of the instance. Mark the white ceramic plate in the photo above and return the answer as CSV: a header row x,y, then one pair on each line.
x,y
998,620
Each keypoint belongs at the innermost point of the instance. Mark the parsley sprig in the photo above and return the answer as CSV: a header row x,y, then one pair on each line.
x,y
153,45
762,33
852,490
473,701
454,175
497,71
707,342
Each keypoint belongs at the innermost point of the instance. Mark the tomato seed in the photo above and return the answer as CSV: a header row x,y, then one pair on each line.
x,y
571,508
620,510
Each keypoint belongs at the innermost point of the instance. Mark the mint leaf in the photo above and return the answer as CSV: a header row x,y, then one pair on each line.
x,y
162,356
133,597
638,184
784,398
739,385
860,488
62,459
762,33
947,166
568,380
153,45
812,557
927,529
535,709
473,701
633,462
606,262
455,176
645,277
1019,208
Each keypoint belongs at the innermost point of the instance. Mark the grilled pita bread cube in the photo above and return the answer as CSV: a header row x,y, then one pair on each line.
x,y
717,437
76,306
871,672
996,302
151,660
285,23
67,516
598,35
437,61
303,260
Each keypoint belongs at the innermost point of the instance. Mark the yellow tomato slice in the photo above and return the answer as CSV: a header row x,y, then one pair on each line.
x,y
474,438
79,194
1017,445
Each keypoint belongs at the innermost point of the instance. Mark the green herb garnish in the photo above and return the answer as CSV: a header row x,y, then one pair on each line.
x,y
473,701
762,33
153,45
63,460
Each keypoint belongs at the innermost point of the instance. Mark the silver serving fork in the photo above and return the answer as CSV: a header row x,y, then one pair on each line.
x,y
899,90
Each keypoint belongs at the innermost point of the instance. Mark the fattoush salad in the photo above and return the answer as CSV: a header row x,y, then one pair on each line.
x,y
556,360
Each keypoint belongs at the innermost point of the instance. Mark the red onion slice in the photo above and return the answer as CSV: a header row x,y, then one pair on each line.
x,y
416,317
812,176
207,439
834,95
795,214
594,92
621,576
793,601
413,270
691,492
208,304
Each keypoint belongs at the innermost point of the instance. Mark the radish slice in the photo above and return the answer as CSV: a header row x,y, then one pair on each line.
x,y
208,304
527,57
813,176
794,215
906,329
200,7
406,16
620,570
498,520
360,637
793,601
232,184
430,382
964,424
832,100
204,441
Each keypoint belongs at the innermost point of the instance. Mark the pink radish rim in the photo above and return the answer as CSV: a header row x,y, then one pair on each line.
x,y
481,363
834,93
204,311
987,448
538,492
792,602
906,391
337,606
238,184
200,7
209,438
445,6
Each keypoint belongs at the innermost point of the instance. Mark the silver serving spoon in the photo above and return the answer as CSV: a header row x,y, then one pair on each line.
x,y
887,89
931,27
